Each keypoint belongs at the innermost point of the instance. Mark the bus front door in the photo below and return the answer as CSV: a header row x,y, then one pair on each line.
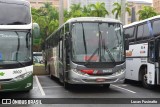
x,y
157,54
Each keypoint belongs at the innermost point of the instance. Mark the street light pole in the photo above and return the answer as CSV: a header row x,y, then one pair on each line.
x,y
61,16
123,11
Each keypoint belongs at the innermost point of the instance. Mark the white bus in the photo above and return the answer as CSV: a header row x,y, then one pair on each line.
x,y
143,55
16,61
86,50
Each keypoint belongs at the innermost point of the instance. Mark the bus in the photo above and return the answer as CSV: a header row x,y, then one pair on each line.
x,y
37,57
16,60
86,50
143,53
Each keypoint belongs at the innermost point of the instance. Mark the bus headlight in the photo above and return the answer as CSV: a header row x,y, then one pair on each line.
x,y
20,77
119,72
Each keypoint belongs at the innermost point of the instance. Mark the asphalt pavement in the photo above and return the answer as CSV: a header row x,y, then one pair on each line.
x,y
52,90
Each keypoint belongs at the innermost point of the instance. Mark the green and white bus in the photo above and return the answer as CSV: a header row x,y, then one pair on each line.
x,y
16,61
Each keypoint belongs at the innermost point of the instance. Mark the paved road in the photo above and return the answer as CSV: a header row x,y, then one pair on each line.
x,y
44,87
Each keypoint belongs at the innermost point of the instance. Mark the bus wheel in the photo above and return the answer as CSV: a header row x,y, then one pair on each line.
x,y
145,78
61,78
106,85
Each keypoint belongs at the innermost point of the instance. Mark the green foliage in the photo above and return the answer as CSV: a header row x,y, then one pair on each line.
x,y
47,18
98,10
117,9
146,12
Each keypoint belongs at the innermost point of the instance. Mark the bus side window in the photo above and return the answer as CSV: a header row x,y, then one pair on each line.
x,y
151,51
140,32
156,30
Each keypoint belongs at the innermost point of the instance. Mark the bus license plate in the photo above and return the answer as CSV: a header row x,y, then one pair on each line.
x,y
100,80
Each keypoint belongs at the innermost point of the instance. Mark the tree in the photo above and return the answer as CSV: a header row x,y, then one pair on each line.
x,y
86,10
98,10
146,12
76,10
117,10
47,18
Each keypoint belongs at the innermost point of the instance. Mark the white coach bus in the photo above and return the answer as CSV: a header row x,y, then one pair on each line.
x,y
16,60
87,50
143,55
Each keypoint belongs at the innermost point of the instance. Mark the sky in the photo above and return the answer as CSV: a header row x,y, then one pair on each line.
x,y
142,0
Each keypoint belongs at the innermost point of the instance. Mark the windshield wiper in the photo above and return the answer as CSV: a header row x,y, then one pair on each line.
x,y
18,45
84,39
109,53
91,56
28,34
105,47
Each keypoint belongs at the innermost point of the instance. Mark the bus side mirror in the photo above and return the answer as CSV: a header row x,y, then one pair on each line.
x,y
126,36
126,44
36,30
67,41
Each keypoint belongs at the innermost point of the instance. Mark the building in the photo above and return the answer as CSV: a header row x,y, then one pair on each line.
x,y
135,6
39,3
109,4
156,5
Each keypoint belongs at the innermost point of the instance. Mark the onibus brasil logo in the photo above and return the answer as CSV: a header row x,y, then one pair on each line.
x,y
2,73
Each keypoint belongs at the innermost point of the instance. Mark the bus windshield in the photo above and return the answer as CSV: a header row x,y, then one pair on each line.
x,y
97,42
15,46
14,14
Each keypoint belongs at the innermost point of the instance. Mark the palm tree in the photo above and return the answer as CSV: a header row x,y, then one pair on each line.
x,y
86,10
76,10
47,18
146,12
98,10
117,9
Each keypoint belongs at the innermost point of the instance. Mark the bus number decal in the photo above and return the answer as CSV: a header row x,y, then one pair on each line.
x,y
17,71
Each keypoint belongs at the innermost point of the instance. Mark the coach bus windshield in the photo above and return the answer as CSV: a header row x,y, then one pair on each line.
x,y
14,14
15,46
97,42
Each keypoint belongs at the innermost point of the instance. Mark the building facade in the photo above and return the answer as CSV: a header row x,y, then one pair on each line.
x,y
39,3
135,6
156,5
108,3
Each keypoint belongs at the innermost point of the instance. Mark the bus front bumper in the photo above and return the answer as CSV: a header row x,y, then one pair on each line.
x,y
25,84
76,78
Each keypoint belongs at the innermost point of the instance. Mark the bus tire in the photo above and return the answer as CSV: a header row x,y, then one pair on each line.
x,y
106,85
61,78
144,79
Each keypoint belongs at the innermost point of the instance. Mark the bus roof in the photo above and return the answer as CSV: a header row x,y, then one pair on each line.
x,y
92,19
20,2
87,19
138,22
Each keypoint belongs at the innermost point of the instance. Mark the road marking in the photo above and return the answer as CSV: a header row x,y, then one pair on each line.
x,y
39,86
124,85
123,89
35,87
52,86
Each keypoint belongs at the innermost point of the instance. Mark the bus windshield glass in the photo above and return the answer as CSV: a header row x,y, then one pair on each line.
x,y
15,46
14,14
97,42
